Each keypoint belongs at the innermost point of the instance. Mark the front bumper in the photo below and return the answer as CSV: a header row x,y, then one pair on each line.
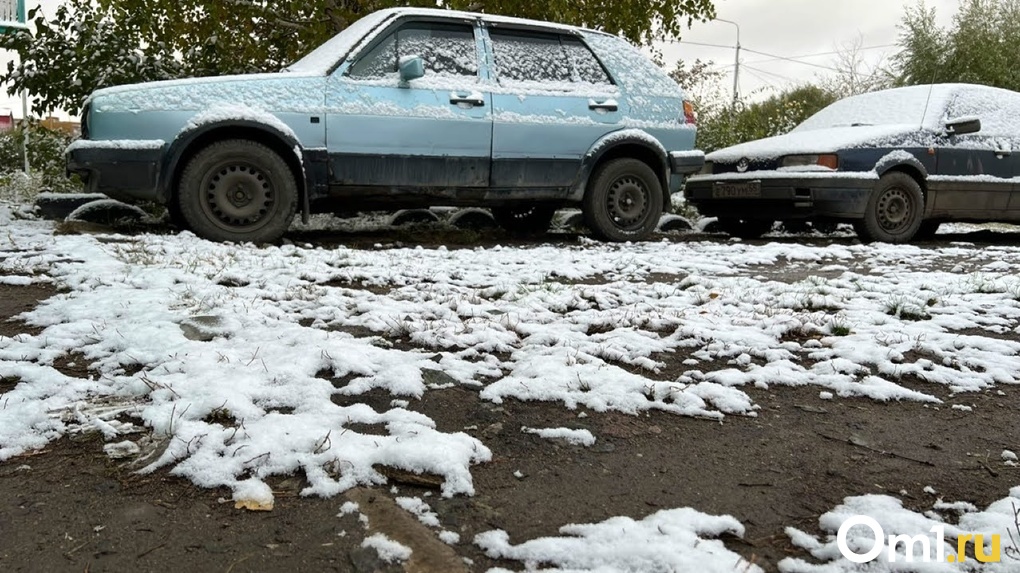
x,y
785,197
124,170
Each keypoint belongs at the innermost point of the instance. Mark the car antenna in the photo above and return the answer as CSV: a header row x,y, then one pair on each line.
x,y
931,89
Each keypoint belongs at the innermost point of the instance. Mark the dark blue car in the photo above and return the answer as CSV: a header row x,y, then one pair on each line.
x,y
895,163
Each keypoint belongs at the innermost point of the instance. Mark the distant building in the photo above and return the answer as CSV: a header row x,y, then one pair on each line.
x,y
54,123
6,120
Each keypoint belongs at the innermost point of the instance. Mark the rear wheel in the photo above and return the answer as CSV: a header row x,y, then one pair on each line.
x,y
238,190
623,201
894,210
529,220
745,228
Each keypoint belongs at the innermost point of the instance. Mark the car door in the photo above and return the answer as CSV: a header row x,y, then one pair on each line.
x,y
430,132
552,100
974,178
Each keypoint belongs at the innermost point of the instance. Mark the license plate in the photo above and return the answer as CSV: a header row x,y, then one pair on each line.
x,y
750,189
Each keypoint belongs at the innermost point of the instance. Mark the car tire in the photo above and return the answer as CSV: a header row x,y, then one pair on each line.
x,y
623,201
530,220
238,190
894,210
745,228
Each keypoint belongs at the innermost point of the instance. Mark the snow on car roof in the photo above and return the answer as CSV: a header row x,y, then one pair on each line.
x,y
924,106
898,115
322,59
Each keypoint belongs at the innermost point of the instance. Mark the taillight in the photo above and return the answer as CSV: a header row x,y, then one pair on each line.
x,y
690,116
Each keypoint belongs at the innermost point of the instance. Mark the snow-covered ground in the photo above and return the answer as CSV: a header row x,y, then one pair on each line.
x,y
216,360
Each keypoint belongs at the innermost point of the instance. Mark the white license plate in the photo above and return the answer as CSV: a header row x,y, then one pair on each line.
x,y
749,190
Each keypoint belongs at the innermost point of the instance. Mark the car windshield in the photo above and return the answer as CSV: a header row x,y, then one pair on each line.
x,y
325,57
904,106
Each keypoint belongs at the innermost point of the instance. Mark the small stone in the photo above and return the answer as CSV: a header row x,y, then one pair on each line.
x,y
437,378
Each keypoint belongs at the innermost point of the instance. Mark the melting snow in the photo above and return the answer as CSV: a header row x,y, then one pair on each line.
x,y
589,325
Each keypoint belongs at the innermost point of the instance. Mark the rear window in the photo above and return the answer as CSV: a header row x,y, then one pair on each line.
x,y
632,69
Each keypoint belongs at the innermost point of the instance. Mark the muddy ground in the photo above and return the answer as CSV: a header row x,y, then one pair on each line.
x,y
71,508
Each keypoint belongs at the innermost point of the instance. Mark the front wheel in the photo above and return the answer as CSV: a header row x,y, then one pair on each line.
x,y
238,190
894,210
623,201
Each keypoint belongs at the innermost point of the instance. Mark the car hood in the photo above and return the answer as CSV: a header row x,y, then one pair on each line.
x,y
815,141
277,91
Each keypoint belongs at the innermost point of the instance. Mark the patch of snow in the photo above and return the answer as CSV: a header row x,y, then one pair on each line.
x,y
449,537
389,550
572,437
894,519
419,509
224,112
673,540
121,144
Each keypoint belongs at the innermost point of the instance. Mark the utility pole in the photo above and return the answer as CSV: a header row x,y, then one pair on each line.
x,y
736,64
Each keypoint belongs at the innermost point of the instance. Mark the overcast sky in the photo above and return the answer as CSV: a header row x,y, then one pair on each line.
x,y
796,28
787,28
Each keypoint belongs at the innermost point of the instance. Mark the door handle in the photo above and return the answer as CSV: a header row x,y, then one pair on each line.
x,y
472,99
604,105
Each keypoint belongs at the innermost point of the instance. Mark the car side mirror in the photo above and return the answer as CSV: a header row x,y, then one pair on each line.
x,y
963,126
411,68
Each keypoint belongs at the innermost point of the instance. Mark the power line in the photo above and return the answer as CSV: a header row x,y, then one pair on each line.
x,y
830,68
832,53
760,71
707,45
754,73
792,59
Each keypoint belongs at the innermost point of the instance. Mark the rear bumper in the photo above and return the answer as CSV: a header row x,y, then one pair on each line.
x,y
124,170
784,198
686,162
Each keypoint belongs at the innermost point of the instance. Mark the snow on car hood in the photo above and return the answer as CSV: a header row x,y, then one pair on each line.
x,y
292,92
816,141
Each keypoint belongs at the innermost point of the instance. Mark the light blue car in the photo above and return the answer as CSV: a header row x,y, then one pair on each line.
x,y
405,108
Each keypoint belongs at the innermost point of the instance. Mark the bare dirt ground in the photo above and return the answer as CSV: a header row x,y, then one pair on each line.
x,y
70,508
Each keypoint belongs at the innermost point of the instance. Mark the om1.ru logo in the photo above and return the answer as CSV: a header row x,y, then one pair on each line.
x,y
909,543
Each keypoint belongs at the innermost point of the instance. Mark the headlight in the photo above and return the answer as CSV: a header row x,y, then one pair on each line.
x,y
828,161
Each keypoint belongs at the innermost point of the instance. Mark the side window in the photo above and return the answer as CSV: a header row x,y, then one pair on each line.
x,y
530,57
587,67
993,112
550,58
446,49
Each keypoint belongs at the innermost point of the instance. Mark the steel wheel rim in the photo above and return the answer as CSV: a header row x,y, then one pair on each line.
x,y
238,196
895,210
628,202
